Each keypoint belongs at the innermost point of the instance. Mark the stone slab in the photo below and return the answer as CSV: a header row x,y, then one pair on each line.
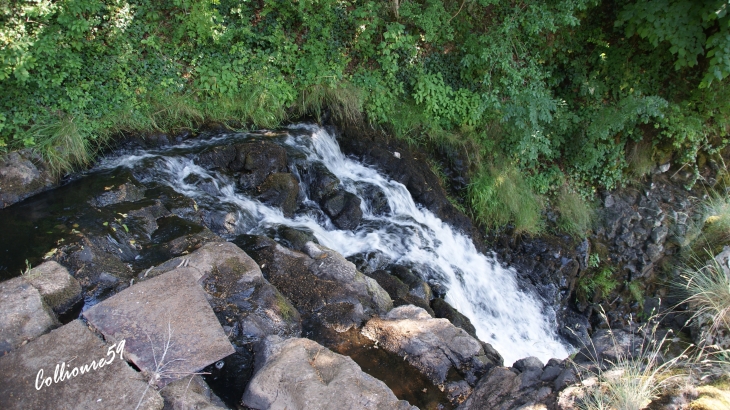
x,y
58,288
169,327
23,315
114,386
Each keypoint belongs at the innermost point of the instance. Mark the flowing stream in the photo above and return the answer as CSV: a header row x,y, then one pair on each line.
x,y
514,322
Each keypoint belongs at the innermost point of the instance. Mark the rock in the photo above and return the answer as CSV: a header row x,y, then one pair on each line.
x,y
248,305
528,364
443,310
301,374
565,378
321,182
190,393
344,209
550,373
399,291
22,174
73,346
433,346
375,199
499,390
294,238
169,313
59,290
127,192
23,315
218,157
256,160
320,283
280,190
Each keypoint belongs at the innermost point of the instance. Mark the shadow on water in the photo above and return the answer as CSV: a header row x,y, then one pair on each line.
x,y
32,228
403,378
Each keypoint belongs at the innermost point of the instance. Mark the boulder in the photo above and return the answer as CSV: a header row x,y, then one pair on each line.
x,y
504,389
321,283
168,326
321,182
399,291
294,238
442,309
59,290
98,376
301,374
434,346
23,315
375,199
280,190
256,160
22,174
344,209
246,304
190,393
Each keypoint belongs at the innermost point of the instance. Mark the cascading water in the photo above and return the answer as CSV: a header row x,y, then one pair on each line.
x,y
513,321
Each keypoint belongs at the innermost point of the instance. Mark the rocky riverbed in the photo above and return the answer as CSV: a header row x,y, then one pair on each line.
x,y
240,272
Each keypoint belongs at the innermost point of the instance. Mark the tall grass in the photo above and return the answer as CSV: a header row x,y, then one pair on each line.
x,y
344,102
707,290
576,215
636,377
63,143
499,195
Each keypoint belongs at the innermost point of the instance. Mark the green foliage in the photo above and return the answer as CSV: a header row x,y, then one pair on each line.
x,y
499,195
576,215
598,281
563,90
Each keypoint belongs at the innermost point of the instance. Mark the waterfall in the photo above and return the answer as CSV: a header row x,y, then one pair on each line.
x,y
514,322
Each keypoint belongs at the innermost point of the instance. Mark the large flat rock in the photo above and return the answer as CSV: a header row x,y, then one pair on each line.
x,y
301,374
113,386
434,346
23,315
169,328
246,304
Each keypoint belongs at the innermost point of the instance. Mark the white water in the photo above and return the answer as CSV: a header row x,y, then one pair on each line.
x,y
514,323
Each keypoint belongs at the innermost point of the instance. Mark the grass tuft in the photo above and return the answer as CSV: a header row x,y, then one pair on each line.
x,y
63,143
576,215
500,195
707,289
344,102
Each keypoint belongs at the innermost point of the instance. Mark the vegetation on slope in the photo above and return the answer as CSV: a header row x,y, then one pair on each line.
x,y
540,92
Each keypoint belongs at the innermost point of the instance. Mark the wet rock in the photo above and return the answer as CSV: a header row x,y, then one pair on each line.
x,y
301,374
503,389
322,182
114,385
295,238
256,160
344,209
434,346
23,315
609,345
442,309
127,192
60,291
398,291
245,303
280,190
375,199
22,174
218,157
317,279
190,393
167,313
220,221
145,217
